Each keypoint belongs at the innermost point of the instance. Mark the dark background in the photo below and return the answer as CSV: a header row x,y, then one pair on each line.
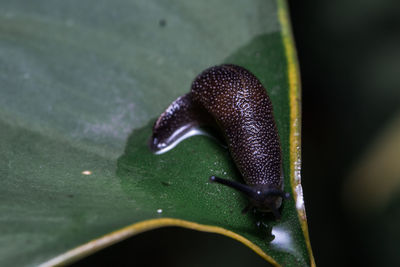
x,y
349,55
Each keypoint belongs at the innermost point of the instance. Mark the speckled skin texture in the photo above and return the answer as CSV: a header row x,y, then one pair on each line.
x,y
242,109
234,101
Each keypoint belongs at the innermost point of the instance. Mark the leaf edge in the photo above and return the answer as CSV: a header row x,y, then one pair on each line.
x,y
97,244
106,240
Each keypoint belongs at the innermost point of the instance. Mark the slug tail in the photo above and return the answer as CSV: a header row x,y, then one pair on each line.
x,y
179,121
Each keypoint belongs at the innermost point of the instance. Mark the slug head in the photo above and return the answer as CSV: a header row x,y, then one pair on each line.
x,y
263,197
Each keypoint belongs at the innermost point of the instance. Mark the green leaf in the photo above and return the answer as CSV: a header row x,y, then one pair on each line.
x,y
81,86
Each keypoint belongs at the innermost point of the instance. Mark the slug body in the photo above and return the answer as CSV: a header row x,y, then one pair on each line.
x,y
232,100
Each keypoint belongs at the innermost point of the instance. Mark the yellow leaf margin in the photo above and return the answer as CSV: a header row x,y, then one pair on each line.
x,y
295,165
137,228
295,121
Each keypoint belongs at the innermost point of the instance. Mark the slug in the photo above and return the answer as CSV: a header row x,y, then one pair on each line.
x,y
232,100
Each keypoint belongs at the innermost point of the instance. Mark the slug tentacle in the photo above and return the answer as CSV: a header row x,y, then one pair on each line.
x,y
262,197
245,189
232,100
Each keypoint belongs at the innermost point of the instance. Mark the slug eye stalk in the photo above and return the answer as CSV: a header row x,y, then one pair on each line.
x,y
245,189
250,191
265,198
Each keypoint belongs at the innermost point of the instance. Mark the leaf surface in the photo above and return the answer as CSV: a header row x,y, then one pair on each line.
x,y
81,85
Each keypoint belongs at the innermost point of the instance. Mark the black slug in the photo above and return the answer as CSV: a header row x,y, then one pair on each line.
x,y
232,100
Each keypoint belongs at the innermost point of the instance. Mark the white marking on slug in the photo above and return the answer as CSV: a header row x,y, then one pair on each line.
x,y
192,132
